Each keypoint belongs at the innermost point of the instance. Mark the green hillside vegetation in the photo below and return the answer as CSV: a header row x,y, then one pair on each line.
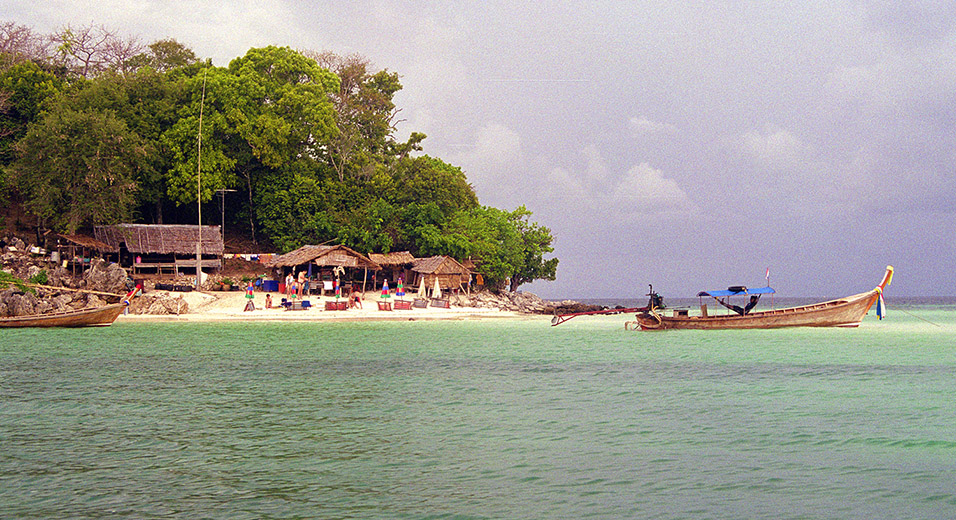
x,y
297,148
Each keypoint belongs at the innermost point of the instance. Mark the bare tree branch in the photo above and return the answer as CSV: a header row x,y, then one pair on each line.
x,y
91,50
21,43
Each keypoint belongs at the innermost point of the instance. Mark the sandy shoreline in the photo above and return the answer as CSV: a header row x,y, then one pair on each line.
x,y
228,306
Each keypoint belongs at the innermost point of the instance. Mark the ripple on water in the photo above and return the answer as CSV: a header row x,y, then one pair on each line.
x,y
475,420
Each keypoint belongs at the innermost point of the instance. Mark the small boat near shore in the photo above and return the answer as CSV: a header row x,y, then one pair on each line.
x,y
91,317
843,312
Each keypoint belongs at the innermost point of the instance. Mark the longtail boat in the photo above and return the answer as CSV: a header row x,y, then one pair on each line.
x,y
91,317
843,312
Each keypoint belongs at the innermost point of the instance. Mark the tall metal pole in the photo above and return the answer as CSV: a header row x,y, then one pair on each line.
x,y
202,101
222,206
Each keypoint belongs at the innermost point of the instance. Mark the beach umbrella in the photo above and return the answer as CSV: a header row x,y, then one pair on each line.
x,y
385,289
436,292
338,289
421,288
400,289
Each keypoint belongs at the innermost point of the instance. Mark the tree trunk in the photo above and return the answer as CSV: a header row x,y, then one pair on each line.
x,y
252,223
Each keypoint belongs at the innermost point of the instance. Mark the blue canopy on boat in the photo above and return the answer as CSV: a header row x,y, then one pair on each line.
x,y
736,291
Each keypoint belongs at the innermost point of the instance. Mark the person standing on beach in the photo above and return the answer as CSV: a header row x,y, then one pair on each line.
x,y
300,283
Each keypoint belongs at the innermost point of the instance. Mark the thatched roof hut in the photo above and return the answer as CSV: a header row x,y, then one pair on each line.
x,y
392,259
163,247
395,265
76,250
167,239
327,258
85,242
324,256
449,272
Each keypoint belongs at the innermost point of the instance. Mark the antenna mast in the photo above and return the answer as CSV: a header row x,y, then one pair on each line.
x,y
202,101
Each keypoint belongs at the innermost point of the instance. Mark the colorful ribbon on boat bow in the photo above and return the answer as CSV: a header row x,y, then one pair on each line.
x,y
880,304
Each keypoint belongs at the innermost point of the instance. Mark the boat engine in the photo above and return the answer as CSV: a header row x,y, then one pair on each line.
x,y
655,301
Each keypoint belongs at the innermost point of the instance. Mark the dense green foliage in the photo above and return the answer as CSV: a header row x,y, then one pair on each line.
x,y
78,168
297,148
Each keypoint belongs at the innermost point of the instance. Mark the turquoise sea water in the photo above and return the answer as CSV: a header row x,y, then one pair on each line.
x,y
480,419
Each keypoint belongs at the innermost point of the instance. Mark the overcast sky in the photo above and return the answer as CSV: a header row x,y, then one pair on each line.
x,y
691,145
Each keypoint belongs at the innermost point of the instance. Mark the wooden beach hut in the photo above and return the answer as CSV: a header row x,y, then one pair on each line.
x,y
77,250
451,275
395,265
163,248
325,259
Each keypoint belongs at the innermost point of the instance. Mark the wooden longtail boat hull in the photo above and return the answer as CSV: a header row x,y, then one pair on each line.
x,y
95,317
844,312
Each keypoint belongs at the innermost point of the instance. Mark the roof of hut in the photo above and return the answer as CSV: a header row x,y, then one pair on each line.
x,y
438,265
161,238
324,256
89,242
393,258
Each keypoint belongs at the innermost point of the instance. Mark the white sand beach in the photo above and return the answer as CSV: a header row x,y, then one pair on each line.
x,y
229,306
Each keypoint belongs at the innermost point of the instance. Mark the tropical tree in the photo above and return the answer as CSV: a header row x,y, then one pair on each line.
x,y
163,56
535,242
427,179
78,168
508,249
206,96
264,114
295,212
281,110
24,88
364,113
148,102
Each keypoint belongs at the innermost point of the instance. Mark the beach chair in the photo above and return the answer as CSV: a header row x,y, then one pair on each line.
x,y
384,306
336,305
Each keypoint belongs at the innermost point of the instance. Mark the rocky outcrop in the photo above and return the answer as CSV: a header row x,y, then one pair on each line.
x,y
158,304
105,276
523,302
14,302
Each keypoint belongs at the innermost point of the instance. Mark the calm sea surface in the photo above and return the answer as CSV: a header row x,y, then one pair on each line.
x,y
490,419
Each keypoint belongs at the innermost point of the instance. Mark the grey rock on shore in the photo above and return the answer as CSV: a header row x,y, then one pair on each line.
x,y
102,276
523,302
